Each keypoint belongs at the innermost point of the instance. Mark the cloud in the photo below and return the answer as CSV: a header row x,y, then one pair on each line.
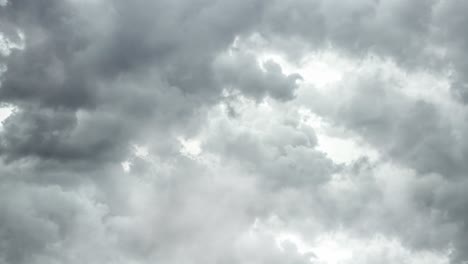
x,y
241,71
231,161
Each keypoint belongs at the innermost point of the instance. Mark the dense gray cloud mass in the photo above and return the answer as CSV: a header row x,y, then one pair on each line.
x,y
194,132
242,71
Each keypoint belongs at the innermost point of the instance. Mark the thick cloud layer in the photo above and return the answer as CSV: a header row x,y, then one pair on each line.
x,y
204,131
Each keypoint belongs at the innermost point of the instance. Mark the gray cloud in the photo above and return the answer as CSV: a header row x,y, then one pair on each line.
x,y
418,133
413,131
242,72
98,78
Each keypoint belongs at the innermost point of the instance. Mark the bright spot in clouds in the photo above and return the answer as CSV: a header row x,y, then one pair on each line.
x,y
126,166
5,112
141,151
7,45
317,69
190,147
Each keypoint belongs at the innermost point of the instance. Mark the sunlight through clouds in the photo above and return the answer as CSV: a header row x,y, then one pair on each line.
x,y
232,132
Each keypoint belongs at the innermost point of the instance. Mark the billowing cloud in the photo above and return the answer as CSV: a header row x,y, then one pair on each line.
x,y
233,131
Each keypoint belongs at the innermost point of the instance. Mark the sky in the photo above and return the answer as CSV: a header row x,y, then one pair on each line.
x,y
233,132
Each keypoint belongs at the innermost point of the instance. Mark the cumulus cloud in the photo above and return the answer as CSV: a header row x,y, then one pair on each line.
x,y
196,131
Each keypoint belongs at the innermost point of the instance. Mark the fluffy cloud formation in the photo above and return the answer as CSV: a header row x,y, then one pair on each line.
x,y
298,131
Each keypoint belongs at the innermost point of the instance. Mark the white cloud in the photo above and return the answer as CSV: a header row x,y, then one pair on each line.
x,y
5,112
7,45
190,147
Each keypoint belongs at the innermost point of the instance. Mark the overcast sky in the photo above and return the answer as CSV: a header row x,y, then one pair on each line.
x,y
233,131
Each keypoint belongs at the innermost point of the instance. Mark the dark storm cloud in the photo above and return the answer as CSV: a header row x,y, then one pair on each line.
x,y
65,64
75,56
358,27
46,71
97,76
73,61
94,78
